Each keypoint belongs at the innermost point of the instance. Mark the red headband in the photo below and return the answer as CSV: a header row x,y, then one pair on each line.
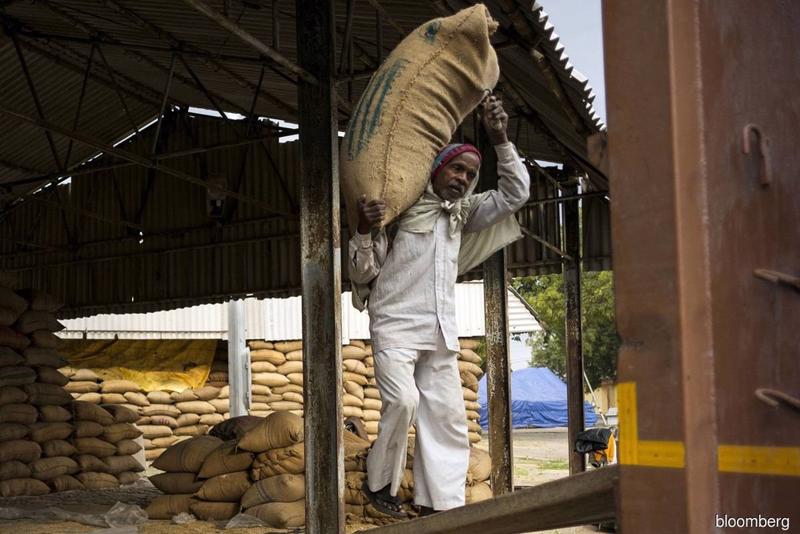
x,y
449,152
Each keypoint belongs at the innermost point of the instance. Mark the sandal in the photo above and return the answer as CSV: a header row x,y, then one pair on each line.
x,y
426,511
384,502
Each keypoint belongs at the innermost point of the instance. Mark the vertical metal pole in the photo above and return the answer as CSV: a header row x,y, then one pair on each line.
x,y
572,295
320,250
238,360
498,380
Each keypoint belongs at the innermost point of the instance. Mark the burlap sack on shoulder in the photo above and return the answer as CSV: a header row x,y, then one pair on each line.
x,y
98,481
214,511
17,487
432,80
278,430
168,506
226,459
14,469
85,411
228,487
280,514
188,455
175,483
280,488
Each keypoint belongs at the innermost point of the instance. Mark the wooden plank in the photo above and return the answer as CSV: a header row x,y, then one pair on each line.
x,y
571,501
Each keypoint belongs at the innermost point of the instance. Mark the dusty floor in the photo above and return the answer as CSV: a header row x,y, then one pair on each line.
x,y
539,456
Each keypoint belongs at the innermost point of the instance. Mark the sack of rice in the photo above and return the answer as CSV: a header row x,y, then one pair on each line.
x,y
85,375
14,340
113,398
48,375
227,487
206,393
228,458
128,477
65,483
470,344
469,395
89,398
263,367
58,447
188,455
279,430
352,411
152,454
468,380
295,378
12,301
187,395
480,466
259,344
40,301
32,320
214,511
155,431
119,464
372,404
136,398
470,356
89,463
87,429
24,414
128,447
119,386
194,430
164,442
188,419
159,397
479,492
291,367
10,357
221,405
84,411
280,488
294,356
95,447
98,481
473,426
280,514
352,400
199,407
270,379
468,367
431,81
45,339
176,483
359,379
235,427
288,346
82,386
285,406
14,469
17,487
163,420
119,431
354,366
353,482
168,506
291,396
35,356
162,409
11,431
287,460
12,395
280,390
47,394
47,468
351,352
121,414
473,438
17,375
211,419
22,450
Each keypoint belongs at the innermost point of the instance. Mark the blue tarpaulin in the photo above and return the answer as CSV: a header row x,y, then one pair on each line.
x,y
538,399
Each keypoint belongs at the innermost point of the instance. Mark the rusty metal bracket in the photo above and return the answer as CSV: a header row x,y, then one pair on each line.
x,y
778,278
774,398
753,131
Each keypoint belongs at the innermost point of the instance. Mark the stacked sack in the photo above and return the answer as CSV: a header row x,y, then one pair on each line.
x,y
218,377
277,377
469,368
480,468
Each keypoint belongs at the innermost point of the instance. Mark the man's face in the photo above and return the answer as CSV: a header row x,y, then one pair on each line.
x,y
453,180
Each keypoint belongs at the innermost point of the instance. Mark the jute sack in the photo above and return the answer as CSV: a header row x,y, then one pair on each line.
x,y
359,379
206,393
47,394
10,300
480,466
85,411
473,415
21,450
469,395
175,483
228,487
152,454
279,430
159,397
280,390
260,389
199,407
128,477
9,357
291,396
479,492
282,405
432,80
97,481
164,442
87,429
371,415
47,468
372,404
355,452
211,419
32,320
18,413
95,447
136,398
224,393
120,431
472,405
357,343
268,355
259,344
45,357
280,514
270,379
468,380
187,395
161,409
164,420
291,367
235,427
90,398
17,487
194,430
65,483
112,398
214,511
351,352
14,469
372,427
280,488
353,482
352,400
58,447
471,344
285,461
288,346
17,375
188,419
265,399
295,355
168,506
354,366
295,378
188,455
85,375
48,375
470,356
221,405
127,447
226,459
12,395
120,464
45,339
10,431
352,411
10,338
82,386
90,463
468,367
474,437
119,386
474,426
354,389
122,414
40,301
373,393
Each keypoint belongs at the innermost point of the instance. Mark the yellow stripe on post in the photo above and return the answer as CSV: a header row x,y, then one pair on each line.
x,y
628,423
661,454
759,460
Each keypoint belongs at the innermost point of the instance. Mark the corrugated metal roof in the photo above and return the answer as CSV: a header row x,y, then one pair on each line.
x,y
277,319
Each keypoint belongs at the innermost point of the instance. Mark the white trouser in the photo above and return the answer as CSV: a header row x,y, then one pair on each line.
x,y
424,387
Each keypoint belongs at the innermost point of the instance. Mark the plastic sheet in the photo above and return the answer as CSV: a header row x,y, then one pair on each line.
x,y
244,521
183,518
120,516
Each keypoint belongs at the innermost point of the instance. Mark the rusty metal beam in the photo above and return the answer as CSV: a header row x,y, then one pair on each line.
x,y
201,7
84,83
539,239
117,89
133,158
163,108
571,269
320,250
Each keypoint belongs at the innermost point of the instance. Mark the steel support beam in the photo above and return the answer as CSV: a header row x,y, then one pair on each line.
x,y
571,269
498,369
238,359
320,249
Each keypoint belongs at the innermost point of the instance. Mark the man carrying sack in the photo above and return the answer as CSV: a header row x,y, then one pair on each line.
x,y
406,275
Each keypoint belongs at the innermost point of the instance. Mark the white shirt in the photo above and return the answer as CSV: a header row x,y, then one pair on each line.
x,y
412,301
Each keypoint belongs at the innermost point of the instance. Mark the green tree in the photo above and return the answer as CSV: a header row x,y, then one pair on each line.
x,y
545,294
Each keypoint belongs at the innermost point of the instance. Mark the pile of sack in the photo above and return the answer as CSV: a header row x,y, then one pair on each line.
x,y
469,368
48,442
